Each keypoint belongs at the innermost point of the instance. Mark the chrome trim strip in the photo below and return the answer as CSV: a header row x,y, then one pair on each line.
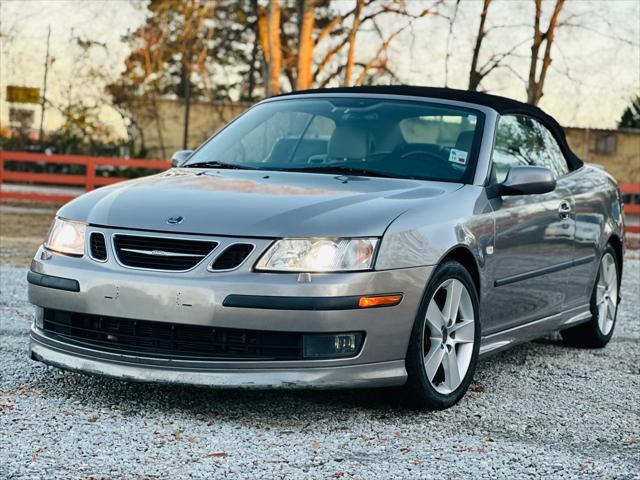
x,y
161,253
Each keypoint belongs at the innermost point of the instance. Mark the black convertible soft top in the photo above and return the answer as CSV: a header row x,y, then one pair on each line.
x,y
502,105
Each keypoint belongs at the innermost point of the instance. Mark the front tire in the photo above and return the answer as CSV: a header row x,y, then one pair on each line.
x,y
597,332
445,340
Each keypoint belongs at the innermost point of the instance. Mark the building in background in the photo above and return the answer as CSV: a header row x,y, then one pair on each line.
x,y
618,151
161,122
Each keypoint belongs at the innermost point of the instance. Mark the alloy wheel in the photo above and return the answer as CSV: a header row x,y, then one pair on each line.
x,y
448,336
607,293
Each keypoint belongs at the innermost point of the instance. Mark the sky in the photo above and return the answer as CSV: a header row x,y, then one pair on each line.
x,y
594,74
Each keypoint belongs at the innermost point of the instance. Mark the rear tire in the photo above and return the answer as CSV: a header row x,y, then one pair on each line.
x,y
445,340
597,332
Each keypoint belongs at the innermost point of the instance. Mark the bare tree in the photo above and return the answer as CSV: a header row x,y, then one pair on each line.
x,y
322,49
475,76
452,20
366,17
478,72
274,47
352,42
305,44
535,83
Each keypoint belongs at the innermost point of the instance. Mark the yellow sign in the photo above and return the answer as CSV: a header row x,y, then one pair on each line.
x,y
23,94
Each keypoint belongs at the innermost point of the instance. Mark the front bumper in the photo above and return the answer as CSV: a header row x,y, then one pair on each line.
x,y
197,297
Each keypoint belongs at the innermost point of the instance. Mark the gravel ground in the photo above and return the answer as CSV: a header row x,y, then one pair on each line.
x,y
539,410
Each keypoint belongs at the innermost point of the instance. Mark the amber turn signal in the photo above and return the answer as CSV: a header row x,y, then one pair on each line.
x,y
379,301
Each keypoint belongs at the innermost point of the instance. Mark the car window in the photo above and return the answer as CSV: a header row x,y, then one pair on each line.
x,y
257,145
320,128
522,140
354,135
442,130
555,159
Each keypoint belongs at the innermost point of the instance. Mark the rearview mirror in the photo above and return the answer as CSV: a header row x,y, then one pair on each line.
x,y
178,158
525,181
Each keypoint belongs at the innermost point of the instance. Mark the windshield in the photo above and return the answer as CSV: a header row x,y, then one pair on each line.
x,y
350,136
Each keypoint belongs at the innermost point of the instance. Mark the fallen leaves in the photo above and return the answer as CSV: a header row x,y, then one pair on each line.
x,y
477,388
217,455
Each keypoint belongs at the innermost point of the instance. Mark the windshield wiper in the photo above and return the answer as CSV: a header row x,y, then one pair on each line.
x,y
218,165
343,170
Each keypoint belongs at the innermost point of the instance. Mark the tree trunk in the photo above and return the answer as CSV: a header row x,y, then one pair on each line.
x,y
536,81
275,48
535,49
475,77
251,81
305,45
352,43
187,106
156,115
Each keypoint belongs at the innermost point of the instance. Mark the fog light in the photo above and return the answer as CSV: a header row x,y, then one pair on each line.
x,y
39,317
331,345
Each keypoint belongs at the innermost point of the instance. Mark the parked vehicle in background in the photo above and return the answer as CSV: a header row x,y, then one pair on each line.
x,y
368,236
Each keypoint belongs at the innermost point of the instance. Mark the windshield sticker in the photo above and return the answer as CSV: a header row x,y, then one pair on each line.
x,y
458,156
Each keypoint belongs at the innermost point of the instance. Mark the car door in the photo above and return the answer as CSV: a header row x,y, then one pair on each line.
x,y
587,215
534,238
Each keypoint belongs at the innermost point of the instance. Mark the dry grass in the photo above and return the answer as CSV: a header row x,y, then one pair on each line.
x,y
21,233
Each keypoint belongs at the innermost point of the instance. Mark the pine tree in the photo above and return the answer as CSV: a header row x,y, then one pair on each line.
x,y
631,115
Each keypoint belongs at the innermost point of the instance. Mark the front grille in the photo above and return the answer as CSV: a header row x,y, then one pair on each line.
x,y
97,246
158,253
232,256
175,340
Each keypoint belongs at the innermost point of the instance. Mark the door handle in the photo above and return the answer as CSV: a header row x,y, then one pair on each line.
x,y
564,210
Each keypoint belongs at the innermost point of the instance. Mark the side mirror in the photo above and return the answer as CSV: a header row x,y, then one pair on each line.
x,y
178,158
524,181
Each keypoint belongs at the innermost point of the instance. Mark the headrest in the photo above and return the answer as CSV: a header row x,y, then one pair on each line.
x,y
348,142
464,141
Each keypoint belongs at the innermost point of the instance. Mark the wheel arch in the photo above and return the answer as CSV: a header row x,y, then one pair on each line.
x,y
617,246
464,256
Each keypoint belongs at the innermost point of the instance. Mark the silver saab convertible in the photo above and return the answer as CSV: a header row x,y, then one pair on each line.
x,y
355,237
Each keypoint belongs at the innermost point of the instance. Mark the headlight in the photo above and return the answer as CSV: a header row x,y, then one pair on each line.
x,y
66,236
319,255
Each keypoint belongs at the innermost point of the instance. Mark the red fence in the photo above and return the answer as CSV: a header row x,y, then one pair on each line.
x,y
89,180
632,210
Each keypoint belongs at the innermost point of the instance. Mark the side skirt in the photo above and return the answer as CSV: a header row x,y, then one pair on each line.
x,y
523,333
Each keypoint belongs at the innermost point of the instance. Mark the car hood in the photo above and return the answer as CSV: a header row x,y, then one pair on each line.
x,y
252,203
